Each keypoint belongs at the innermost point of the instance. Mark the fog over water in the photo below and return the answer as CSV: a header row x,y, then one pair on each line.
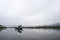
x,y
29,12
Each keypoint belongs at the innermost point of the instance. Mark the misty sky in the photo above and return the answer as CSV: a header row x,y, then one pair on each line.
x,y
29,12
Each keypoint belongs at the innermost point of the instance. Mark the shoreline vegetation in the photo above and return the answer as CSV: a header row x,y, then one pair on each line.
x,y
1,26
34,27
44,27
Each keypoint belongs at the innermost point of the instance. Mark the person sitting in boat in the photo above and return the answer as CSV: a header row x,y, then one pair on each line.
x,y
20,27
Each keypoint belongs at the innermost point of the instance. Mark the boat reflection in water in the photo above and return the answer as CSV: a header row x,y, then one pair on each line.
x,y
19,29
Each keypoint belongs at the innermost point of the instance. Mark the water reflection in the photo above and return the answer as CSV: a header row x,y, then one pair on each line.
x,y
30,34
2,28
19,30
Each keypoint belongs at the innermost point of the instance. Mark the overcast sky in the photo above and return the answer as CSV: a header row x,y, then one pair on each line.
x,y
29,12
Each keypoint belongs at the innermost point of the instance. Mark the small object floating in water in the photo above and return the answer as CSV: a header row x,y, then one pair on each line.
x,y
19,27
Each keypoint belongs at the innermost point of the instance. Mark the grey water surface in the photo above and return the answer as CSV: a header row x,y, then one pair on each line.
x,y
29,34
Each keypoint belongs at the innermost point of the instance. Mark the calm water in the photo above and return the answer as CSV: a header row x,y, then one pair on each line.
x,y
30,34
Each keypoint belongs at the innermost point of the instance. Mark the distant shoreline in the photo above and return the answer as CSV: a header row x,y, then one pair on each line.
x,y
38,27
42,27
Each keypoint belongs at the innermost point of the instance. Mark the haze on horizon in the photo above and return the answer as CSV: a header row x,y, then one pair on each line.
x,y
29,12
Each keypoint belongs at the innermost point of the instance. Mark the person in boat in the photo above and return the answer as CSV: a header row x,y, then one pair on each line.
x,y
20,27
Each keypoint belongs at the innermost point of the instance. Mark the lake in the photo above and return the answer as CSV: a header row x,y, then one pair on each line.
x,y
29,34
